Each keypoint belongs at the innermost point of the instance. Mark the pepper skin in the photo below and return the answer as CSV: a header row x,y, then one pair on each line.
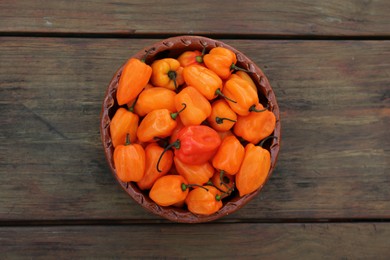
x,y
204,200
135,75
195,174
169,190
155,98
221,60
229,155
188,58
222,117
167,73
254,169
124,122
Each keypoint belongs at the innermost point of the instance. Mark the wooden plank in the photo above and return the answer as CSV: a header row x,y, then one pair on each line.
x,y
270,18
333,95
224,241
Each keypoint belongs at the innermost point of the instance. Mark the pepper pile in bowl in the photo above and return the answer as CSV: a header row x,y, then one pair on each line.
x,y
190,128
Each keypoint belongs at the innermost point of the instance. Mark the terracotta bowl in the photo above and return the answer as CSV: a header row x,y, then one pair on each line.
x,y
173,47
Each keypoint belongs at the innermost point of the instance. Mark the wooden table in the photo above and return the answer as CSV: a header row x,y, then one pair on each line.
x,y
328,63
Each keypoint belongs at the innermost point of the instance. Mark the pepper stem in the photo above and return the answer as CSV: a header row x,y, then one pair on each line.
x,y
174,115
254,109
175,144
234,67
127,139
184,186
219,93
131,109
146,55
172,76
267,138
219,120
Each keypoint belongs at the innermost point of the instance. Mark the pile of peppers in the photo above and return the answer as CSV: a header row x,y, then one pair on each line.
x,y
190,129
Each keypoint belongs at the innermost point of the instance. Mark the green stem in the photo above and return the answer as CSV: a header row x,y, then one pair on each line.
x,y
254,109
184,186
131,109
267,138
172,75
234,67
127,139
174,115
175,144
219,93
146,54
219,120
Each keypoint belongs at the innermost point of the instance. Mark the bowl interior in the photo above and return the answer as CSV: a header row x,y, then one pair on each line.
x,y
173,47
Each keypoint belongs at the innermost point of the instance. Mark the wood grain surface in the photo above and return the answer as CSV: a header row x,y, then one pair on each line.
x,y
244,18
269,241
334,161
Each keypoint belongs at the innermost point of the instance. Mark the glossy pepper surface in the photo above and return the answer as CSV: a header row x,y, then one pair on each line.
x,y
222,117
155,98
188,58
169,190
221,60
167,73
204,200
223,182
241,91
198,108
196,144
195,174
152,155
254,169
255,126
207,82
124,122
135,75
129,161
245,76
229,155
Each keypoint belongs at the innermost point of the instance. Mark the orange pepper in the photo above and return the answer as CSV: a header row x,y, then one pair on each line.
x,y
246,77
198,107
224,134
195,174
169,190
159,123
207,82
223,182
155,98
241,91
177,129
255,126
229,155
222,117
188,58
254,169
129,161
204,200
135,75
132,103
167,73
124,122
152,155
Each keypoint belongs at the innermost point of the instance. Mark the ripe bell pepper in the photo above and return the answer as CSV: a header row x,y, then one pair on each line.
x,y
204,200
188,58
135,75
169,190
159,123
195,174
155,98
167,73
229,155
241,91
198,107
255,126
222,61
222,117
152,154
124,122
254,169
129,161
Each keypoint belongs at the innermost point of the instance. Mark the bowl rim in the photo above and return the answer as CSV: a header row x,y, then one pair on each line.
x,y
188,42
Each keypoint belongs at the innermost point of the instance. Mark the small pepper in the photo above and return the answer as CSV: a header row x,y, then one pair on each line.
x,y
255,126
245,76
124,122
152,154
129,161
222,117
204,200
155,98
198,107
225,134
169,190
229,155
195,144
223,182
241,91
207,82
188,58
197,174
135,75
167,73
222,61
254,169
159,123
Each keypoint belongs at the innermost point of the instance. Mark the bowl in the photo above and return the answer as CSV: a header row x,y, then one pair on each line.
x,y
173,47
